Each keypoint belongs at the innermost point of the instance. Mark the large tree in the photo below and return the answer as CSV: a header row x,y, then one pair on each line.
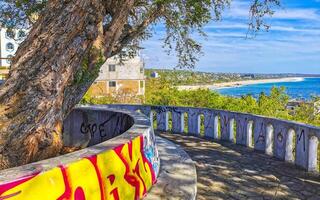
x,y
68,42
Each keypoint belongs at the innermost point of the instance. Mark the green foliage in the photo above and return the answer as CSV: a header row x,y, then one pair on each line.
x,y
118,97
307,113
89,99
20,13
160,91
188,77
88,73
274,104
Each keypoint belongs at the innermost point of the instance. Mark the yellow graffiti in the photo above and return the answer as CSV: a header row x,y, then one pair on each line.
x,y
115,183
36,187
121,173
138,168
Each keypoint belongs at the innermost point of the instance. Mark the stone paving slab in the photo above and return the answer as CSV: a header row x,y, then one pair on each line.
x,y
177,177
229,171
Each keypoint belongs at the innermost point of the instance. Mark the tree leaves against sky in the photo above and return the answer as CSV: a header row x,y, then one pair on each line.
x,y
182,20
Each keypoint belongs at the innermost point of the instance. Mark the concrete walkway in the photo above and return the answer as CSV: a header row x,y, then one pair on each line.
x,y
177,178
229,171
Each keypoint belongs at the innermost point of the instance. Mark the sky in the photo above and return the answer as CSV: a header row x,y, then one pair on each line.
x,y
291,46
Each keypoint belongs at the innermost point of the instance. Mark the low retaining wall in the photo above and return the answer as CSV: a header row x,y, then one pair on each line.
x,y
289,141
87,127
121,161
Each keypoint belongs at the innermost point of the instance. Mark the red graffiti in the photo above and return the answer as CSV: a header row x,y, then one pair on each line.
x,y
8,186
136,171
67,192
79,194
93,160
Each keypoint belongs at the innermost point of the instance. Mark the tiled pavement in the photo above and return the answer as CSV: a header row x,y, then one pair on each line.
x,y
229,171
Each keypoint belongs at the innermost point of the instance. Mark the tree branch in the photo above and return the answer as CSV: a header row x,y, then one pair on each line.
x,y
114,29
135,32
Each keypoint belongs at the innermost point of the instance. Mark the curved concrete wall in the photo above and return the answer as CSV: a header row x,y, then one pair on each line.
x,y
87,127
290,141
122,161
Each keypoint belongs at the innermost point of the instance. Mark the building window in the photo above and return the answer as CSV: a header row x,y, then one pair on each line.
x,y
10,34
112,84
112,68
9,47
9,59
141,70
21,34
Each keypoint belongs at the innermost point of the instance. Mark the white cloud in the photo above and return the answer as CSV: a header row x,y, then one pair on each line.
x,y
292,43
307,14
244,27
241,10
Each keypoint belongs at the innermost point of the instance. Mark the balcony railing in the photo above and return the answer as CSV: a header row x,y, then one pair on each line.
x,y
289,141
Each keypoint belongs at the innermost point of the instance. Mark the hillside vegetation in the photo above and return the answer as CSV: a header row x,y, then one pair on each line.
x,y
187,77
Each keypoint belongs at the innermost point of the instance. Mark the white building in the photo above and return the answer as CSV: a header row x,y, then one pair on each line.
x,y
9,43
125,77
155,74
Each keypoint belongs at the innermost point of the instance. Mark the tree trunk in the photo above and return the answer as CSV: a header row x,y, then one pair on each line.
x,y
50,73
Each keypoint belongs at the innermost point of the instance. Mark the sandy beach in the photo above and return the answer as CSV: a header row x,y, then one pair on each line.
x,y
239,83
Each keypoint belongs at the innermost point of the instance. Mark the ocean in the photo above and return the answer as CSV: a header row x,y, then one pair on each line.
x,y
304,89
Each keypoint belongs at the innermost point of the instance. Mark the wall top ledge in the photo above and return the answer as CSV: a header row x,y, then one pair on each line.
x,y
178,175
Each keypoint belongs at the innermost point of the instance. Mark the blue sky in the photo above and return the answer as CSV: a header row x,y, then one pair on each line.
x,y
292,44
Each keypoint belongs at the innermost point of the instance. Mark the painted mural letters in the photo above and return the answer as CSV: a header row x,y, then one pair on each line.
x,y
121,173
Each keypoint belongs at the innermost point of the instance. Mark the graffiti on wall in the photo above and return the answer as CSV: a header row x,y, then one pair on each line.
x,y
122,173
101,128
261,135
303,137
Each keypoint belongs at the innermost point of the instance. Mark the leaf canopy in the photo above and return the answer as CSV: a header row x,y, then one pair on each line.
x,y
181,19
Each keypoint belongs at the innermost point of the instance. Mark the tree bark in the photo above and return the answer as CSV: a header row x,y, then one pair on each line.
x,y
44,77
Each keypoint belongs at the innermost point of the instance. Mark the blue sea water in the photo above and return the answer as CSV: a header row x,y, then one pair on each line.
x,y
296,90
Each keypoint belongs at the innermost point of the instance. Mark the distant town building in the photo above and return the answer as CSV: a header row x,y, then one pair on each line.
x,y
154,74
9,43
293,105
317,107
248,76
116,77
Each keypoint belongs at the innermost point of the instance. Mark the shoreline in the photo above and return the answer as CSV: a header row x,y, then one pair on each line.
x,y
217,86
